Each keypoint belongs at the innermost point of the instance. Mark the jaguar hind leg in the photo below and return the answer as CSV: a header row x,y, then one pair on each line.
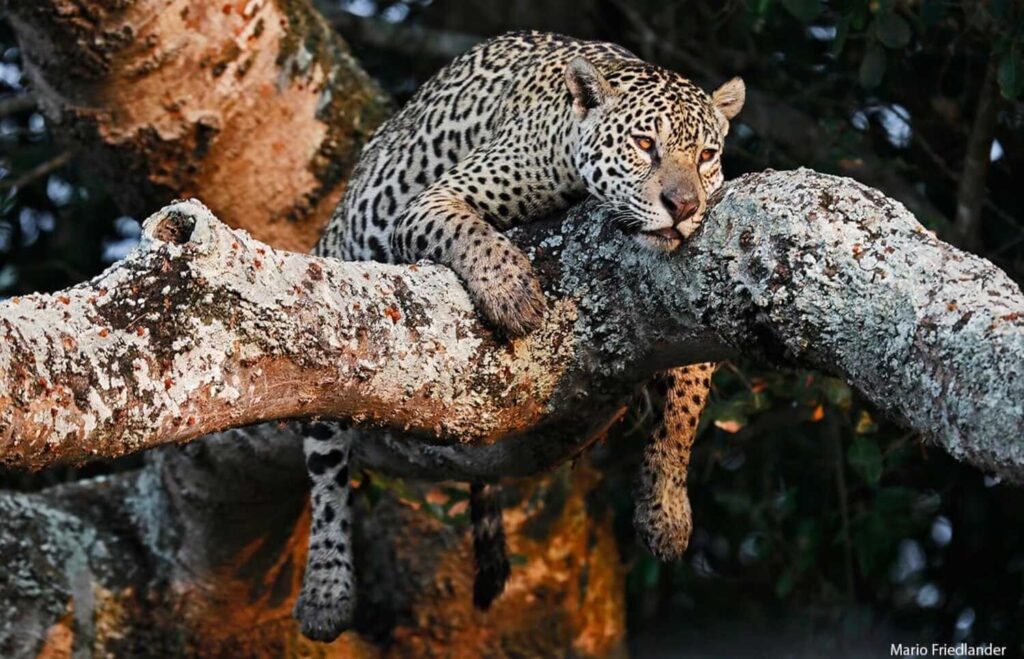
x,y
326,604
662,516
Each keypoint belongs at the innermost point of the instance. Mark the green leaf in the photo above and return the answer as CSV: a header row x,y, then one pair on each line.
x,y
1010,76
926,505
837,392
650,571
842,32
784,584
865,459
804,10
735,503
870,540
872,67
892,31
760,9
893,501
808,538
858,16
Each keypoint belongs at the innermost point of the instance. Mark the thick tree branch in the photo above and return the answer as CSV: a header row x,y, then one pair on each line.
x,y
189,98
204,329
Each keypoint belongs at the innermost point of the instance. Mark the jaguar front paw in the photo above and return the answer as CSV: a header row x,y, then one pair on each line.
x,y
509,296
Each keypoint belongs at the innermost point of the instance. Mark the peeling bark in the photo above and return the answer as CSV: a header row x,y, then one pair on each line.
x,y
215,100
204,328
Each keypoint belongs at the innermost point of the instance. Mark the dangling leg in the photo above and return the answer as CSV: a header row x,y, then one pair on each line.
x,y
327,602
662,514
489,549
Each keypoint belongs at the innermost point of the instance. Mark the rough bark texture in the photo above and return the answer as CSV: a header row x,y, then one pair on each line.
x,y
217,100
793,267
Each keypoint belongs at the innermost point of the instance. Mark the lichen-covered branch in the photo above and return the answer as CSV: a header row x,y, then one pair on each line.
x,y
204,328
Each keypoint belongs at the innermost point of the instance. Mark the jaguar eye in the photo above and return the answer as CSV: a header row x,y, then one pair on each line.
x,y
707,154
645,143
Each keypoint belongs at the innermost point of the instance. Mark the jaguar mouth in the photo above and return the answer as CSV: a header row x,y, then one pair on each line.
x,y
666,238
666,233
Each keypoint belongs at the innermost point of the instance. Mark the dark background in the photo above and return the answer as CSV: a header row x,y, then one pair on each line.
x,y
820,526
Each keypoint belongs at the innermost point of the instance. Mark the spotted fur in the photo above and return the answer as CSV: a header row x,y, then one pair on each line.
x,y
327,600
516,128
489,551
661,513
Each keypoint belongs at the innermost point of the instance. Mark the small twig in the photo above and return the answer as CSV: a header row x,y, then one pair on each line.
x,y
39,171
970,196
738,373
15,104
834,436
948,172
1010,245
412,40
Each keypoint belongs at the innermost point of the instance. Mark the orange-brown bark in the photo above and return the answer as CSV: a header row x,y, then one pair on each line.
x,y
256,107
222,572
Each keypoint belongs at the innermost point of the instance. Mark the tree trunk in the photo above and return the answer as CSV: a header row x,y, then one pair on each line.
x,y
257,108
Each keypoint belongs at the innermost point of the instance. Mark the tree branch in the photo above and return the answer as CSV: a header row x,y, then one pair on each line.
x,y
260,110
42,169
201,101
203,328
413,40
17,104
971,193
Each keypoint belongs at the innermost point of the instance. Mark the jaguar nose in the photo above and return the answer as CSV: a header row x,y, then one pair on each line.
x,y
680,206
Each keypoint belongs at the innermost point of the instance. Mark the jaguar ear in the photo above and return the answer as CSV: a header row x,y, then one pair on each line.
x,y
728,99
588,87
